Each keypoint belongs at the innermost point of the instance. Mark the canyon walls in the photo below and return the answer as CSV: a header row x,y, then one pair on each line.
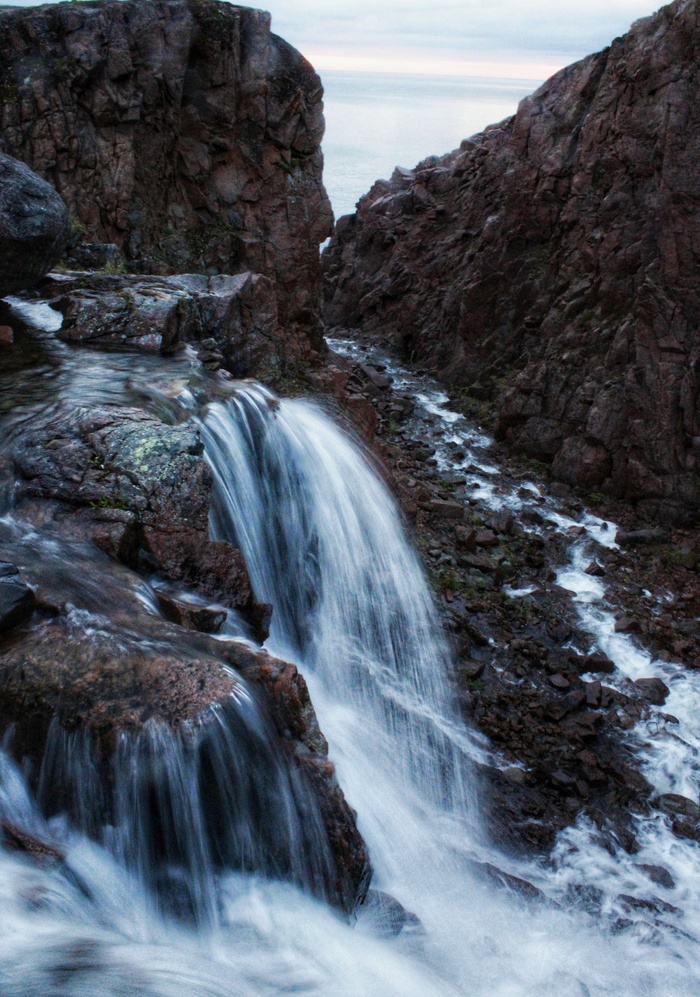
x,y
547,269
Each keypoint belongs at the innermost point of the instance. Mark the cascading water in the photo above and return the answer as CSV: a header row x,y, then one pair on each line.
x,y
324,544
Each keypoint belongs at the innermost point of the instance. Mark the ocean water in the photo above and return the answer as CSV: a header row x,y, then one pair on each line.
x,y
376,121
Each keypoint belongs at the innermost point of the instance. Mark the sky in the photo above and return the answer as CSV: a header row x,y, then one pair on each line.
x,y
528,39
521,39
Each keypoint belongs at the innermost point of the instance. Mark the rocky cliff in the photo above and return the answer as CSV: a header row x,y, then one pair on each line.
x,y
183,131
548,269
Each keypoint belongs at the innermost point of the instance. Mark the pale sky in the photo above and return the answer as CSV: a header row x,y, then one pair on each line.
x,y
518,38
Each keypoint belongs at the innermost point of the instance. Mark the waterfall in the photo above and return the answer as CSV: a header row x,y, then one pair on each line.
x,y
323,542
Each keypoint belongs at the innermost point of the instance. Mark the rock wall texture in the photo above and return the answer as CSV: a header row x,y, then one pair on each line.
x,y
183,131
549,268
34,227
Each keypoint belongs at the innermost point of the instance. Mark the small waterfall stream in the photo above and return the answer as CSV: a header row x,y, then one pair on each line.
x,y
324,544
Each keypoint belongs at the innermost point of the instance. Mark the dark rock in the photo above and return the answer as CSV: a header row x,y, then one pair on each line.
x,y
191,615
163,314
486,538
384,915
34,227
653,690
627,625
520,887
596,570
656,905
635,538
658,874
213,161
17,599
446,510
560,279
559,682
675,805
6,335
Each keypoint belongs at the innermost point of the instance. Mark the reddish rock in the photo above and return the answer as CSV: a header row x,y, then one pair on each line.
x,y
183,132
653,690
627,625
486,538
6,335
559,283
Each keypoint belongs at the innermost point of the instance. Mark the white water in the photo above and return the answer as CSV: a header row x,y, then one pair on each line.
x,y
354,611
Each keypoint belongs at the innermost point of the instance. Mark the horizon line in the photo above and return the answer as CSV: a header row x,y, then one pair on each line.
x,y
491,69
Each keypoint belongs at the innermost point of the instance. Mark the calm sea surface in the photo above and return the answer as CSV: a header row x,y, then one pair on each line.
x,y
376,121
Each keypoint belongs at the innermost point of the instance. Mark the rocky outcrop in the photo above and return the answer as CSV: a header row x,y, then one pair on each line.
x,y
231,319
182,132
546,270
34,227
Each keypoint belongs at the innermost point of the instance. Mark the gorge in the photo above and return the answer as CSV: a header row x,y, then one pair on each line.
x,y
308,683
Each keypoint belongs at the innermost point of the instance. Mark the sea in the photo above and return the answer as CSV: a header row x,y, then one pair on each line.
x,y
376,121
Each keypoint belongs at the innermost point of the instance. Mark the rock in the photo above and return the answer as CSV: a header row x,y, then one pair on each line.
x,y
675,805
559,282
236,315
446,510
627,625
17,599
656,904
559,682
191,615
6,335
199,146
658,874
635,538
520,887
34,227
384,915
486,538
595,569
653,690
596,662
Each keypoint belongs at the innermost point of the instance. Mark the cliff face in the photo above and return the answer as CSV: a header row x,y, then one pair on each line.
x,y
181,130
549,268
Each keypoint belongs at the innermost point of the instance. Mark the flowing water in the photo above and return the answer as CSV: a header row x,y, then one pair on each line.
x,y
324,543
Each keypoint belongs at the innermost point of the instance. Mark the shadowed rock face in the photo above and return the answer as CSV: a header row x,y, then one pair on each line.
x,y
34,227
183,132
549,267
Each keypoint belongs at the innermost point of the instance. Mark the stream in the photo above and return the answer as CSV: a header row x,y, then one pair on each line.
x,y
324,543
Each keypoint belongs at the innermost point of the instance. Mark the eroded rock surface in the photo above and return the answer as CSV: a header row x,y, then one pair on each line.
x,y
34,227
186,134
547,269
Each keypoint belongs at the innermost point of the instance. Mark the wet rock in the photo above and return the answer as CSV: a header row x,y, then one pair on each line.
x,y
627,625
191,615
675,805
17,839
505,880
17,599
658,874
586,897
34,227
237,315
653,690
384,915
6,335
595,569
231,189
596,662
656,904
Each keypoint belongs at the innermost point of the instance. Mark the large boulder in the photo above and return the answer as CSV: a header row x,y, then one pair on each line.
x,y
182,132
34,227
547,268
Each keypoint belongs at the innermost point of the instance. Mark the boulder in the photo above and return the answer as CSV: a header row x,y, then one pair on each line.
x,y
17,599
34,227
